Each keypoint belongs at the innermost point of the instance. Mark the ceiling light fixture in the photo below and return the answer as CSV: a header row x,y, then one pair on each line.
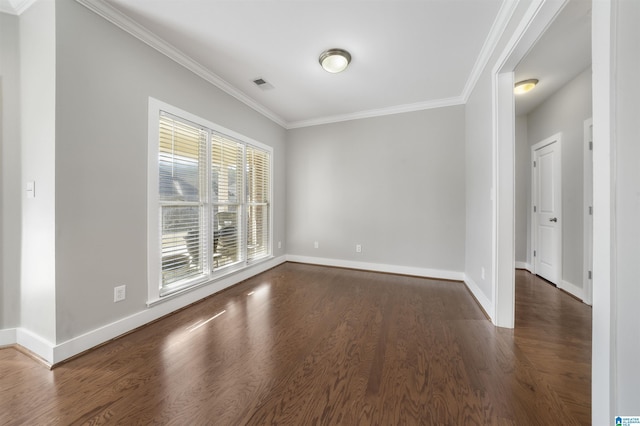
x,y
524,86
335,60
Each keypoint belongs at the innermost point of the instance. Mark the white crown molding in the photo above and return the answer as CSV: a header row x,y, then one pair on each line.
x,y
113,15
398,109
491,42
15,7
127,24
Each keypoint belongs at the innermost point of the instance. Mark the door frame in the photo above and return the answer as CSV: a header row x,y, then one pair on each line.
x,y
532,25
587,222
557,139
537,18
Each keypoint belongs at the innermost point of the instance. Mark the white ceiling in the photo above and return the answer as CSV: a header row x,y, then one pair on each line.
x,y
407,54
563,51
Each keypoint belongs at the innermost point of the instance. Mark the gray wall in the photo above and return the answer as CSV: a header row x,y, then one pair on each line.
x,y
394,184
10,177
479,182
37,132
479,162
565,112
626,202
104,80
522,191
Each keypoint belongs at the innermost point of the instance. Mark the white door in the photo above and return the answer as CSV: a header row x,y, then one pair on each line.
x,y
547,207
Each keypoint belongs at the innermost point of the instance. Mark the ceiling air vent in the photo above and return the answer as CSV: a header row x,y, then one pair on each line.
x,y
262,83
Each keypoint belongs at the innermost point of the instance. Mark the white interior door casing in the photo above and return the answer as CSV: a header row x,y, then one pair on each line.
x,y
588,212
547,208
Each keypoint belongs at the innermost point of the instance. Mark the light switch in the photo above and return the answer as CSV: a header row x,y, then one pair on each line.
x,y
31,189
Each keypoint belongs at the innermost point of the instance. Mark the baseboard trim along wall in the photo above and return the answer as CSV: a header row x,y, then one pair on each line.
x,y
572,289
480,297
37,345
524,265
56,353
53,354
8,337
379,267
486,304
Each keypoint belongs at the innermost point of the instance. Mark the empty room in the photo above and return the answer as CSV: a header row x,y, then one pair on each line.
x,y
319,212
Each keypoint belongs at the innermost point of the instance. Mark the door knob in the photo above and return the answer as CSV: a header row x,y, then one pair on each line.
x,y
553,219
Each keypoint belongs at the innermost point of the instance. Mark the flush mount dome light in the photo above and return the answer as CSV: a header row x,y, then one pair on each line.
x,y
524,86
335,60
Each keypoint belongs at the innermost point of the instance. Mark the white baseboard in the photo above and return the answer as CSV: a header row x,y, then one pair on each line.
x,y
36,344
53,354
8,337
481,298
379,267
28,340
572,289
524,265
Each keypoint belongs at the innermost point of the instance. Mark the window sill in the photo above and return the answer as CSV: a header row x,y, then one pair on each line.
x,y
198,285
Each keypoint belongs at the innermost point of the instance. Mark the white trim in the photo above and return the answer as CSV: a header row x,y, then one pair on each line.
x,y
547,141
398,109
15,7
604,372
153,183
153,221
122,21
486,304
223,277
8,336
533,236
497,30
380,267
524,265
53,354
572,289
587,218
503,274
36,344
127,24
535,21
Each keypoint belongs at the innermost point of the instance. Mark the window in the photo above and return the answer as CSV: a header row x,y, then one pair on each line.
x,y
209,193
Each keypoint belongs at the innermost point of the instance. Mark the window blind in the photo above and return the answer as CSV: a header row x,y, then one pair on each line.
x,y
227,181
181,155
258,190
213,202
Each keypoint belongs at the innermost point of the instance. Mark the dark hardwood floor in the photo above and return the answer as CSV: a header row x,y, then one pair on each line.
x,y
309,345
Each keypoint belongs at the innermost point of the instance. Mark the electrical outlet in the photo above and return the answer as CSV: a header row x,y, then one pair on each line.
x,y
119,293
279,244
315,244
482,273
358,248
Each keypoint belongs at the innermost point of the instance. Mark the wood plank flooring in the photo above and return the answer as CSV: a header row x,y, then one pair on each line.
x,y
310,345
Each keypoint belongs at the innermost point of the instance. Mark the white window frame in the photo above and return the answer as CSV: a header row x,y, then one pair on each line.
x,y
154,250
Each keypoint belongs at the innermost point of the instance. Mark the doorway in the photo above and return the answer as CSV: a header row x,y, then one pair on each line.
x,y
546,229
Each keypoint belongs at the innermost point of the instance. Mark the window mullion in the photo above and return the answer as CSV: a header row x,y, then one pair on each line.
x,y
208,207
245,195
